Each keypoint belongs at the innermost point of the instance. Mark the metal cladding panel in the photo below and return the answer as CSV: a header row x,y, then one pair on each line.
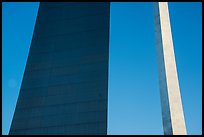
x,y
65,84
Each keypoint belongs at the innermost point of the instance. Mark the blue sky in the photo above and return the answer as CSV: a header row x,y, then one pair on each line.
x,y
134,100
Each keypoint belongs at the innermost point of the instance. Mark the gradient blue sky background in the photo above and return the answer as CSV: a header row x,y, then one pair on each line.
x,y
134,100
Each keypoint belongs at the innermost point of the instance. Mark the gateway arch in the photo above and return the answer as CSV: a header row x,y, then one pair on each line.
x,y
65,83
